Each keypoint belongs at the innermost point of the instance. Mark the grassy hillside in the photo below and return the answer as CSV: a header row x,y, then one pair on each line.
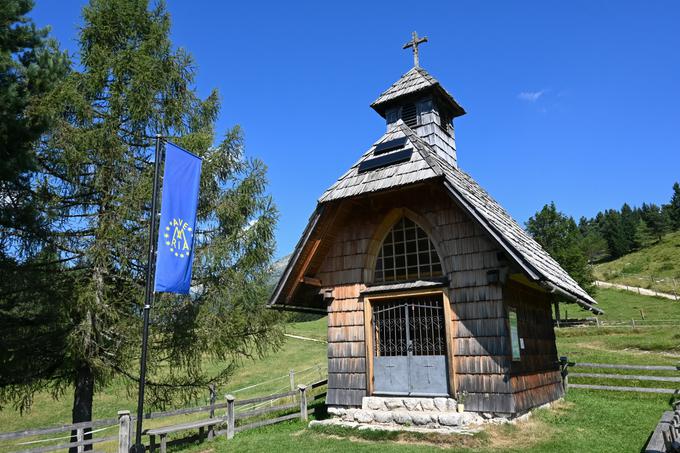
x,y
661,262
619,305
649,344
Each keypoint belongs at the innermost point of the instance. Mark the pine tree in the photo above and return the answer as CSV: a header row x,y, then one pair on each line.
x,y
613,232
559,235
30,64
31,309
673,208
629,223
644,235
95,183
656,219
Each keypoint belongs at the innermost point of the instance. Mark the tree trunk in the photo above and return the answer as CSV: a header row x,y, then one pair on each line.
x,y
82,401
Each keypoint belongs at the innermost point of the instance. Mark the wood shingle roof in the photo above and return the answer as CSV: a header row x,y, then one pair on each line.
x,y
425,164
414,81
354,183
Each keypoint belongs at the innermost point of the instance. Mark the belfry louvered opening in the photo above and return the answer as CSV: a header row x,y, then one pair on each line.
x,y
407,253
409,115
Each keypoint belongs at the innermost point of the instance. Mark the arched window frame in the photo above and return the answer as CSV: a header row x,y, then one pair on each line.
x,y
413,254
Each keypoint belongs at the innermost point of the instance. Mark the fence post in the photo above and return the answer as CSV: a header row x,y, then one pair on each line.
x,y
213,396
124,431
230,416
632,321
303,402
79,438
564,371
642,313
291,375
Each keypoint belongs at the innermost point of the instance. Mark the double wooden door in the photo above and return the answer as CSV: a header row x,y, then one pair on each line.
x,y
409,354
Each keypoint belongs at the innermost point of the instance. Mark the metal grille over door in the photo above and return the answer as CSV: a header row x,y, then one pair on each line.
x,y
410,347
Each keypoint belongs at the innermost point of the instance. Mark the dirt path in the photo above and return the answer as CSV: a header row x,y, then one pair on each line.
x,y
635,289
298,337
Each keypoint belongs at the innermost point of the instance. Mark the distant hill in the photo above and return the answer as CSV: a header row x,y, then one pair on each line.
x,y
655,267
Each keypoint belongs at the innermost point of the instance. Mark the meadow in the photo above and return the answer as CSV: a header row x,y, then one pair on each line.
x,y
585,421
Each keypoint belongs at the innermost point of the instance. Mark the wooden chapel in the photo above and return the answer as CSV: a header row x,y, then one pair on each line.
x,y
430,287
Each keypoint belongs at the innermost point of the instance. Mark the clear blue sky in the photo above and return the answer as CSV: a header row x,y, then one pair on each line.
x,y
572,102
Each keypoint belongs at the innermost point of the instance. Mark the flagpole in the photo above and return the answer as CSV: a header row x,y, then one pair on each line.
x,y
138,447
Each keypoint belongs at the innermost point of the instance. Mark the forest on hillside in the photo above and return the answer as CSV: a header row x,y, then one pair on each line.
x,y
608,235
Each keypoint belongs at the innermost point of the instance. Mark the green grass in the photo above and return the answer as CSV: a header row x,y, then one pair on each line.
x,y
647,344
588,421
311,329
296,354
661,261
624,305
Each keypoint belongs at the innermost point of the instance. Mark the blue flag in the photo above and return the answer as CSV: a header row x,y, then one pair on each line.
x,y
178,219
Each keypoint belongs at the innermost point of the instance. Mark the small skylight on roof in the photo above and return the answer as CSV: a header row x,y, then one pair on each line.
x,y
389,145
386,159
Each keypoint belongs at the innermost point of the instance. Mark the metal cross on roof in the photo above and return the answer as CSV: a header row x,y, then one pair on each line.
x,y
414,43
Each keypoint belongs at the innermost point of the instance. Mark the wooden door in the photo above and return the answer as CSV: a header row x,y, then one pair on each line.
x,y
409,354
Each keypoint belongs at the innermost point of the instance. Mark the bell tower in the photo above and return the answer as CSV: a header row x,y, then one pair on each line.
x,y
423,104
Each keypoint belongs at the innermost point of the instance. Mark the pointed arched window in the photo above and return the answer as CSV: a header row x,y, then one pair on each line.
x,y
407,253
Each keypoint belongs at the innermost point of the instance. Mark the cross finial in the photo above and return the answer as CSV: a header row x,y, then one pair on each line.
x,y
415,42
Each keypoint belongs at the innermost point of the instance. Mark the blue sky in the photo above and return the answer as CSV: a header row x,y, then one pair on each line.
x,y
572,102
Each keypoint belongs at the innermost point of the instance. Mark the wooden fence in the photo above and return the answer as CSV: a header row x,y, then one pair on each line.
x,y
565,365
666,435
613,323
239,415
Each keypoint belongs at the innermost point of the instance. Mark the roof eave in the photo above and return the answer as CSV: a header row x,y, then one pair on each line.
x,y
588,305
381,107
529,270
304,239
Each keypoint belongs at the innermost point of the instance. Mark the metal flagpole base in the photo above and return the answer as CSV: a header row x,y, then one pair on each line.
x,y
137,448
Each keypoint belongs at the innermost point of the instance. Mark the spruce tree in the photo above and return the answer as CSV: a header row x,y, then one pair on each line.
x,y
31,313
644,235
629,223
613,232
95,185
30,65
656,219
673,208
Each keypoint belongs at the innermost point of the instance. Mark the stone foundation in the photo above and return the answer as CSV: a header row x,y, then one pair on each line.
x,y
436,415
430,413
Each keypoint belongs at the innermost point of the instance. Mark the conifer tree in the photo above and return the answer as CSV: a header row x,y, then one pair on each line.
x,y
673,208
614,233
30,313
30,64
656,219
644,235
95,177
629,223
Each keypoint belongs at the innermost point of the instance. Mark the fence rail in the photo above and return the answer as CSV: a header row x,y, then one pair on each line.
x,y
565,365
617,323
667,288
251,410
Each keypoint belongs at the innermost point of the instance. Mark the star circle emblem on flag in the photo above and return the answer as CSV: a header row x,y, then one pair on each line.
x,y
177,237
